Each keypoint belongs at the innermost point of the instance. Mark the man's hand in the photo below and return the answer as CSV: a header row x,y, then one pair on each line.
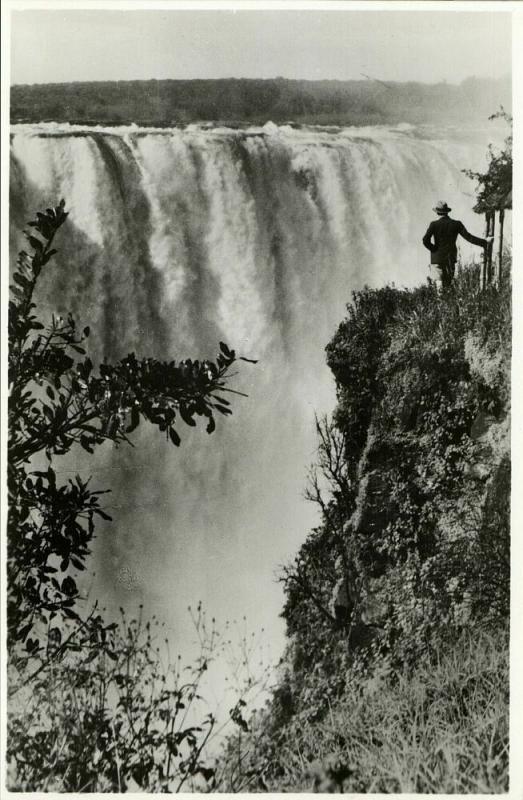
x,y
489,240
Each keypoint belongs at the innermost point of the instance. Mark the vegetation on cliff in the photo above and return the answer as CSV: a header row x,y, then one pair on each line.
x,y
410,692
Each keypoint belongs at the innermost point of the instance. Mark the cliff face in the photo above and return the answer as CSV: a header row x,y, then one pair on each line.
x,y
431,459
423,410
421,531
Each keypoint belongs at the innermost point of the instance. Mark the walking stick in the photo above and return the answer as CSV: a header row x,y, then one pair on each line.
x,y
500,254
485,255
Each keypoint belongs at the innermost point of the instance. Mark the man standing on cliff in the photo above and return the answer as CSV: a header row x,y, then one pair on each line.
x,y
440,239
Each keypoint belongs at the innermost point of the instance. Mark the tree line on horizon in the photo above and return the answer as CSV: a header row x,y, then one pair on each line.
x,y
255,101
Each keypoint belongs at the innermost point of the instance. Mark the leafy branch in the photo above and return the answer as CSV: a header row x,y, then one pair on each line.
x,y
58,399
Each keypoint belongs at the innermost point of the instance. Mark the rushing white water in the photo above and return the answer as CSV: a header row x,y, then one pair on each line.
x,y
179,238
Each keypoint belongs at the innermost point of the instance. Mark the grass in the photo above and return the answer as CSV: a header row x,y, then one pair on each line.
x,y
443,728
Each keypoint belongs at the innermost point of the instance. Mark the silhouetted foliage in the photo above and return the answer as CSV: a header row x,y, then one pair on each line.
x,y
93,706
57,400
113,713
494,190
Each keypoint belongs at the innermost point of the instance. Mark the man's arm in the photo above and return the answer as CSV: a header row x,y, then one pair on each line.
x,y
470,238
427,239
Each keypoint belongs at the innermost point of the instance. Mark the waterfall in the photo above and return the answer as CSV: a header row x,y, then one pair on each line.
x,y
180,238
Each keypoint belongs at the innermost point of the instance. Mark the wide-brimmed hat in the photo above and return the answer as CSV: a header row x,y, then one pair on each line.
x,y
441,208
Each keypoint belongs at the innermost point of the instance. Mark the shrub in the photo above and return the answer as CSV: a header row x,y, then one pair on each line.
x,y
91,706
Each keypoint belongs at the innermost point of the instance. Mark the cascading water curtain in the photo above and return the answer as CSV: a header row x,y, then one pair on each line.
x,y
178,239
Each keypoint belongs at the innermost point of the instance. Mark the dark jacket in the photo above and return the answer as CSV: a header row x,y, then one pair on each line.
x,y
441,237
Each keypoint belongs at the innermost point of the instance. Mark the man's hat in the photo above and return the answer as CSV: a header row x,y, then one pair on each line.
x,y
441,208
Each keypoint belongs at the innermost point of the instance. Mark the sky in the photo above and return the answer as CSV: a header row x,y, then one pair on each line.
x,y
429,46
